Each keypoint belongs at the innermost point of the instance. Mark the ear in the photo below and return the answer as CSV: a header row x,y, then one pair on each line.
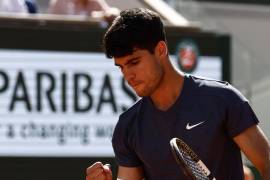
x,y
161,49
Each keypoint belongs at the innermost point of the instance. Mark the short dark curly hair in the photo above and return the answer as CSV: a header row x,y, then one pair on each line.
x,y
133,28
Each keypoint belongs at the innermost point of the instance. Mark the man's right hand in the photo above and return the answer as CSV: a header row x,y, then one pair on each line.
x,y
98,171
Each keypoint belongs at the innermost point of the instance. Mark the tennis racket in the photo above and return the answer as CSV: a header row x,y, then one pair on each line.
x,y
189,162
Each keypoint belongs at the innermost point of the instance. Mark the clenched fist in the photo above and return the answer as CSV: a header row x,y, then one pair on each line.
x,y
98,171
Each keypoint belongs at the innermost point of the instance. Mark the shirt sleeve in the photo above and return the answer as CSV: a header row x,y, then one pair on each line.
x,y
240,116
123,147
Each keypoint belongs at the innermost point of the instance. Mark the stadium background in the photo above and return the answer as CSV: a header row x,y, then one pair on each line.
x,y
239,62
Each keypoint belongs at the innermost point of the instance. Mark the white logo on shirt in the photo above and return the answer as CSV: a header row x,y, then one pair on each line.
x,y
188,127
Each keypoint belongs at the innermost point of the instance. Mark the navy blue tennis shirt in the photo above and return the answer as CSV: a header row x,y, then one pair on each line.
x,y
207,115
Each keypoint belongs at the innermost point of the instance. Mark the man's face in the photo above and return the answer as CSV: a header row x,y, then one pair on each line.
x,y
142,70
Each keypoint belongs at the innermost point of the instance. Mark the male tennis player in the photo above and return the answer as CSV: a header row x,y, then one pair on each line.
x,y
212,117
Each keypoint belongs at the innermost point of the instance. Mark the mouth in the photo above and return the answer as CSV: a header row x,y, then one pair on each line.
x,y
134,84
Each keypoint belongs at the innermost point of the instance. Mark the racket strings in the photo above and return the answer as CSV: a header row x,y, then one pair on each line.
x,y
194,167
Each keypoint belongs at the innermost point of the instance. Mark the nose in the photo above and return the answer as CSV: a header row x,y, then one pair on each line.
x,y
128,75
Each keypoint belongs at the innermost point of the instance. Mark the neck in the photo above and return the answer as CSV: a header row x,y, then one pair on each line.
x,y
169,90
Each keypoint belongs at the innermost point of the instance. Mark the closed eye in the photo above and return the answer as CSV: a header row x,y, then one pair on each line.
x,y
129,63
133,61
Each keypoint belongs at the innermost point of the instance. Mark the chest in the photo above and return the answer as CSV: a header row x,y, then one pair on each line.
x,y
198,126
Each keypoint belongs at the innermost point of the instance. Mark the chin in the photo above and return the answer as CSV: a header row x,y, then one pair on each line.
x,y
142,93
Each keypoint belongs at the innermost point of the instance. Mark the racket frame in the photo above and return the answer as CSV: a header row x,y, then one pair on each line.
x,y
176,145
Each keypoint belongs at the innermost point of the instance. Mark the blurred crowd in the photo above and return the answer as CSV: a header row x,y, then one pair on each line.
x,y
89,8
18,6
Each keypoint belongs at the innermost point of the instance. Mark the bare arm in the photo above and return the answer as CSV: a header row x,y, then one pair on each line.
x,y
130,173
56,7
255,146
109,13
103,5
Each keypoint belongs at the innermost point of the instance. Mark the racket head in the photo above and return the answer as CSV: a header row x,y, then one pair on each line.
x,y
179,159
188,161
